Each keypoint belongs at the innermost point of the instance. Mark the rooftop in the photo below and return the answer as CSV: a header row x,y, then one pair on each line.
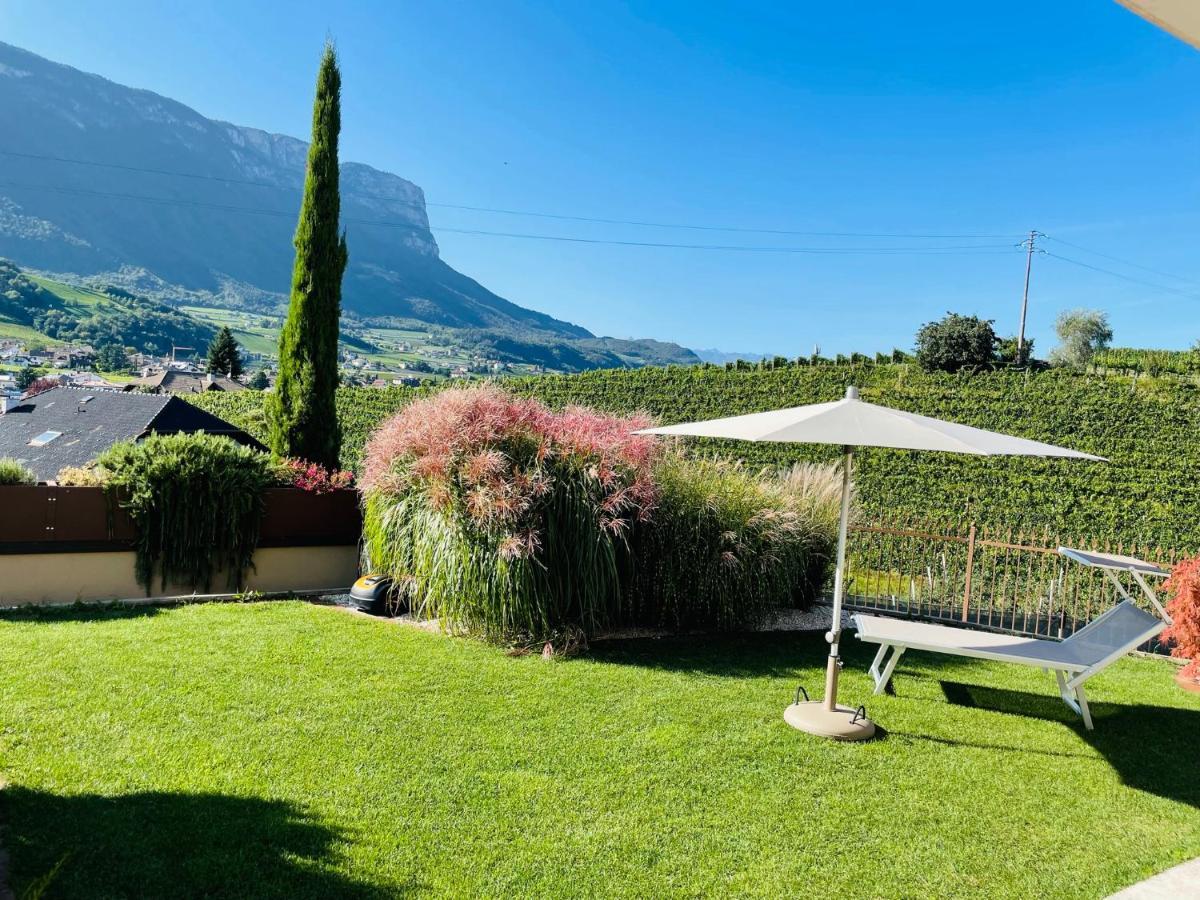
x,y
68,426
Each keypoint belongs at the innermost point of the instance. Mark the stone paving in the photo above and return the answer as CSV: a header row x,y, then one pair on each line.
x,y
1179,883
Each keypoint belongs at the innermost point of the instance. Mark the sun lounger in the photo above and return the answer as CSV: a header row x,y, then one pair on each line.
x,y
1082,655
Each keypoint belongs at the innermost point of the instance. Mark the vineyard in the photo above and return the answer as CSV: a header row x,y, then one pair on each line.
x,y
1148,494
1147,362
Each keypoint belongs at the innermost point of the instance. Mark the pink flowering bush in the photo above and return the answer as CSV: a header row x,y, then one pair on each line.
x,y
512,518
312,477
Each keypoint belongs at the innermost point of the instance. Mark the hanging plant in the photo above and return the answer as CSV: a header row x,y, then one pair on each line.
x,y
196,501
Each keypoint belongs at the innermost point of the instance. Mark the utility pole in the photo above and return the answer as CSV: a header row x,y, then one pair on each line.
x,y
1028,245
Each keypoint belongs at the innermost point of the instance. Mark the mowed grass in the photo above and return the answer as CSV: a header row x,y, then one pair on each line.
x,y
291,750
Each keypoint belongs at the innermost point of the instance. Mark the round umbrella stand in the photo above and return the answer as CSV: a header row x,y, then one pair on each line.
x,y
840,723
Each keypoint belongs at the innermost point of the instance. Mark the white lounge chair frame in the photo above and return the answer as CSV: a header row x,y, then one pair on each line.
x,y
1073,660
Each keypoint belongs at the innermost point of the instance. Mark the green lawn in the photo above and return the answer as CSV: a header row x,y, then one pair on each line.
x,y
290,750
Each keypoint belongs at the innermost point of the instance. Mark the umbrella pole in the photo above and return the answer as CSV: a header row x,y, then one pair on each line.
x,y
839,586
824,717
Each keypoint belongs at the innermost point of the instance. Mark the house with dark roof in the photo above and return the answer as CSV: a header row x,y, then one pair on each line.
x,y
67,426
173,381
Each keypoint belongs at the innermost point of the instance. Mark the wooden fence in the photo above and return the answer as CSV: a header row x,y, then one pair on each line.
x,y
1007,580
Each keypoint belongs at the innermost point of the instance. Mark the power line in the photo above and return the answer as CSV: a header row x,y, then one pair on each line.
x,y
639,223
221,207
1150,284
881,251
725,228
1118,259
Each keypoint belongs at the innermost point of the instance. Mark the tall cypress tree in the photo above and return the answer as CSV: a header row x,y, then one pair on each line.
x,y
301,416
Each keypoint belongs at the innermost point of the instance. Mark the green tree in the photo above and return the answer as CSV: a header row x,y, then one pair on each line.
x,y
1081,333
301,416
956,342
259,381
111,358
224,358
27,376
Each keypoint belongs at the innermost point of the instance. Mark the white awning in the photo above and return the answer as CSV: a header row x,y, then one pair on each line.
x,y
854,423
1178,17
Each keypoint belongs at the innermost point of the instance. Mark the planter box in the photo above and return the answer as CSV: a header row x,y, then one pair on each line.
x,y
49,519
54,517
297,518
63,544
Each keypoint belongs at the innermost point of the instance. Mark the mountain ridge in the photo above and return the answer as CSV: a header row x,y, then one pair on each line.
x,y
208,207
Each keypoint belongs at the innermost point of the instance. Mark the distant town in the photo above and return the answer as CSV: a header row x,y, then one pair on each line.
x,y
26,367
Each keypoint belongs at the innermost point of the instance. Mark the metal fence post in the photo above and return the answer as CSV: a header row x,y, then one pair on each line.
x,y
970,568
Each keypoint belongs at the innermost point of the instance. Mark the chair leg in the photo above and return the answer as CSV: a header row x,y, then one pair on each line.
x,y
874,670
881,682
1075,697
1084,711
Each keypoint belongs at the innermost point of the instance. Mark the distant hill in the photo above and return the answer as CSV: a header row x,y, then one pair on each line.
x,y
40,310
187,209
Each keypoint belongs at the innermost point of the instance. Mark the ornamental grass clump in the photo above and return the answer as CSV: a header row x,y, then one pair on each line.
x,y
727,545
13,472
196,501
511,521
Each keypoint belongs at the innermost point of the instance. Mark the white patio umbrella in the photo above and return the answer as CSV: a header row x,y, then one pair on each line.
x,y
852,423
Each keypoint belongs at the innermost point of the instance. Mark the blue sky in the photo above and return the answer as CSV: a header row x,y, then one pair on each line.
x,y
1074,117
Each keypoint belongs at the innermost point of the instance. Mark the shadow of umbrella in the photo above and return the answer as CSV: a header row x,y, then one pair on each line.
x,y
171,845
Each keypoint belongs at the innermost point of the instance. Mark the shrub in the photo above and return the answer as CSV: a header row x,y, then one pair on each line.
x,y
1007,353
511,520
13,472
725,546
955,343
311,477
40,386
1184,608
81,476
196,500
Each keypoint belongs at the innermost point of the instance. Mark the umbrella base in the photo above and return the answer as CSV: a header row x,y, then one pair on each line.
x,y
838,724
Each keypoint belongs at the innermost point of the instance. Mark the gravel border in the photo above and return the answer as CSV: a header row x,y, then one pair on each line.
x,y
813,620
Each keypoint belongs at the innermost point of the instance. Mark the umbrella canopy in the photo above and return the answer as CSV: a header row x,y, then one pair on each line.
x,y
854,423
851,423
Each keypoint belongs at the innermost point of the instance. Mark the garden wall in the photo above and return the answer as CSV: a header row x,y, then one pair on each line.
x,y
63,544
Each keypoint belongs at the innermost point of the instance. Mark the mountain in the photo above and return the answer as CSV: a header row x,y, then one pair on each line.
x,y
720,357
134,189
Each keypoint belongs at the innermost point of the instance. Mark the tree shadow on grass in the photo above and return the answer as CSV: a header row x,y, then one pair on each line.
x,y
82,612
1148,746
170,845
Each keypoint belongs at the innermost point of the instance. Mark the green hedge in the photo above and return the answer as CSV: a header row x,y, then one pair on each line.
x,y
196,500
1149,492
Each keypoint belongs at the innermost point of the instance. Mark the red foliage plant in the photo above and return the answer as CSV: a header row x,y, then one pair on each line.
x,y
40,386
492,456
1184,609
314,478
